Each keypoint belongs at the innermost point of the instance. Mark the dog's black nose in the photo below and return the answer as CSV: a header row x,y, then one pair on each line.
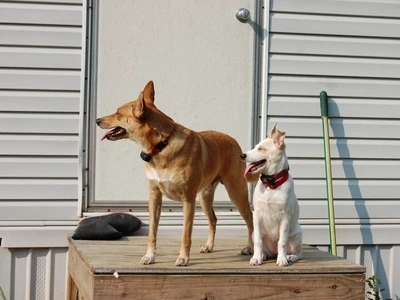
x,y
243,156
98,120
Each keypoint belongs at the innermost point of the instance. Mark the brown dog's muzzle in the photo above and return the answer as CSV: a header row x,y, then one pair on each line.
x,y
114,134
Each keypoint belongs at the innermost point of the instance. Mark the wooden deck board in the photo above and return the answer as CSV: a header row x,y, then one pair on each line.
x,y
223,274
124,256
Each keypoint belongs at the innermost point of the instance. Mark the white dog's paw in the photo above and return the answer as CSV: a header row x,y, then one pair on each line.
x,y
147,260
292,258
256,261
282,261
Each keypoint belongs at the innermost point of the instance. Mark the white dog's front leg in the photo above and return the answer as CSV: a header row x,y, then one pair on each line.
x,y
257,240
281,260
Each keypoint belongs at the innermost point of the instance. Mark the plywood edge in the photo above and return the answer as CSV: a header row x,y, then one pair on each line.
x,y
80,273
258,286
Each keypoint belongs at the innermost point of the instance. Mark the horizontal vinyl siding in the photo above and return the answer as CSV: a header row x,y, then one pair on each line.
x,y
38,145
40,101
41,14
17,101
350,49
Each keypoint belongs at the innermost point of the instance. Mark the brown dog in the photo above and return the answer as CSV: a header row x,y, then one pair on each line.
x,y
181,164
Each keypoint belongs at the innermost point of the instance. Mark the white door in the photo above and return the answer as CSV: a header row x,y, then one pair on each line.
x,y
201,59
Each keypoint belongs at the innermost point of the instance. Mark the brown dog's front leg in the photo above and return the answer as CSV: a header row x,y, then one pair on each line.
x,y
155,204
189,207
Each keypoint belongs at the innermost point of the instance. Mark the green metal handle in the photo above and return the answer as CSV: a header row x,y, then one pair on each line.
x,y
323,97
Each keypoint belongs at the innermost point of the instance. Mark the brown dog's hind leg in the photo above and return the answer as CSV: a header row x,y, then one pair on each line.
x,y
206,199
237,190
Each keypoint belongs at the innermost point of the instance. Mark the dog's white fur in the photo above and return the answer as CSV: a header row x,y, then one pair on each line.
x,y
276,211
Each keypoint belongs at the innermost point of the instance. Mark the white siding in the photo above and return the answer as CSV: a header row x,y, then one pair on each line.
x,y
36,273
350,49
41,54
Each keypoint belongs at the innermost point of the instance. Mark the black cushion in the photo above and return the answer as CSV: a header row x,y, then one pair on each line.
x,y
124,223
107,227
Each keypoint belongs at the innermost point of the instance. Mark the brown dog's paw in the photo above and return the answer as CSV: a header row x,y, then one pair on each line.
x,y
146,260
182,261
206,249
247,251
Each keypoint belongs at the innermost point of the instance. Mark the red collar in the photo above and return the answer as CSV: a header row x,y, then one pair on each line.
x,y
273,181
157,149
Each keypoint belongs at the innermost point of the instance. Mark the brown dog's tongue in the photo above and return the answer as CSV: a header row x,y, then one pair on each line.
x,y
105,136
109,133
249,166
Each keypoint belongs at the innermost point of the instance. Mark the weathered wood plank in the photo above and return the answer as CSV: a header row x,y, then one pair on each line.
x,y
123,256
230,287
81,275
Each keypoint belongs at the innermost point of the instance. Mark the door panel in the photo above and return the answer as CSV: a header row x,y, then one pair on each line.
x,y
200,58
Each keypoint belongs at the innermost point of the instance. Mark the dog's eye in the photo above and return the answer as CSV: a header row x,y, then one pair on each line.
x,y
261,149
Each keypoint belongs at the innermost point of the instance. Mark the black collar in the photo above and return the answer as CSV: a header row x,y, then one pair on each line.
x,y
273,181
157,149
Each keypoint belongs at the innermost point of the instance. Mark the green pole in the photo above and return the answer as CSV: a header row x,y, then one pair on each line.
x,y
323,96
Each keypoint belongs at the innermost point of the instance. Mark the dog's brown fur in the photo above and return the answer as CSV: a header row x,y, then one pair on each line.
x,y
192,163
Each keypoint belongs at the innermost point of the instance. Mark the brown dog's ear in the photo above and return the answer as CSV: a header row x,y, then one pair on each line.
x,y
139,107
148,91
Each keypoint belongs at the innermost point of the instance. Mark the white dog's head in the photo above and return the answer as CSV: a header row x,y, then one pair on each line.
x,y
268,156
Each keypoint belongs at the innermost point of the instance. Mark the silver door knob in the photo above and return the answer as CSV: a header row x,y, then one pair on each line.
x,y
243,15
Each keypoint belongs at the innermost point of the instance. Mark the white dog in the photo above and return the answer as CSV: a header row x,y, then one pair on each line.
x,y
276,210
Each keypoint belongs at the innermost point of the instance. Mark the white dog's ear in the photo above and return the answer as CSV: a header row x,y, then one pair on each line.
x,y
272,131
279,139
139,108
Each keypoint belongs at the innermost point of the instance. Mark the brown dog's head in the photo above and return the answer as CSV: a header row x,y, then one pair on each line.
x,y
138,120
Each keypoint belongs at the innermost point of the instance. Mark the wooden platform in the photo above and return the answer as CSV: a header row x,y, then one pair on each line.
x,y
111,270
